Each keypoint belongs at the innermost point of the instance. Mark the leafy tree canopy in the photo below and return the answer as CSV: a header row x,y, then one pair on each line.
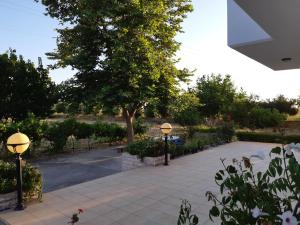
x,y
24,88
216,94
282,104
122,49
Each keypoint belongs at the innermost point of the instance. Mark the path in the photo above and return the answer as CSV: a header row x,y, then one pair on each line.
x,y
67,170
143,196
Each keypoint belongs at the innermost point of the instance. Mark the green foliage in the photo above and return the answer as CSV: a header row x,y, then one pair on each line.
x,y
123,51
112,131
57,137
58,133
200,129
32,126
282,104
32,180
241,108
84,130
267,137
262,118
188,117
185,215
146,148
60,107
196,144
185,109
24,88
216,94
139,127
257,198
226,131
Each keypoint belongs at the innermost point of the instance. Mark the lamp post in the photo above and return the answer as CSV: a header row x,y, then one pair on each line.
x,y
17,144
166,128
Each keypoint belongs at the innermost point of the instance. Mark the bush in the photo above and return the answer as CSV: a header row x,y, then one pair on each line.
x,y
32,180
226,131
139,127
262,118
112,131
200,129
267,137
61,107
195,144
84,130
248,196
149,148
188,117
57,137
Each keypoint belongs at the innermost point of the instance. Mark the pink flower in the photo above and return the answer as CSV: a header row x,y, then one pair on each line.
x,y
80,211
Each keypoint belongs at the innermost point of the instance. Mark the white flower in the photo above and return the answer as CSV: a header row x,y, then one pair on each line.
x,y
256,212
289,152
288,218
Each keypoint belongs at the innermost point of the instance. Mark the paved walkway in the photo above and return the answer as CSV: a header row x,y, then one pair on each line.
x,y
71,169
144,196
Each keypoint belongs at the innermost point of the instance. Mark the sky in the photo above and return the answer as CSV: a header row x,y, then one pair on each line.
x,y
204,46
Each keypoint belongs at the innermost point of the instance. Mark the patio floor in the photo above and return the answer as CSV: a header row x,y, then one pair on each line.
x,y
144,196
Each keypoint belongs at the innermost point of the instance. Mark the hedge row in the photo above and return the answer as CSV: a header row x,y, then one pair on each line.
x,y
267,137
58,133
154,148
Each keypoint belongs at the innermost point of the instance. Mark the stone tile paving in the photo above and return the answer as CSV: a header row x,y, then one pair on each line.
x,y
144,196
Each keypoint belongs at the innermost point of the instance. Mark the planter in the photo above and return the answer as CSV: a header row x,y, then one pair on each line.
x,y
8,201
133,161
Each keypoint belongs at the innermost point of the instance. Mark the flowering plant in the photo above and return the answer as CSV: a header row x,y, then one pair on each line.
x,y
75,217
259,198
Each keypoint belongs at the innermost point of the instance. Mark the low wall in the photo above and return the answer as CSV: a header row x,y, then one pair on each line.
x,y
133,161
8,201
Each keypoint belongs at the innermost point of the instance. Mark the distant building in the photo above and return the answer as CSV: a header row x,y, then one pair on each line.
x,y
267,31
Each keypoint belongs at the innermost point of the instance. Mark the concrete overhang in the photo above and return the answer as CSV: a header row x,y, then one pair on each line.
x,y
266,30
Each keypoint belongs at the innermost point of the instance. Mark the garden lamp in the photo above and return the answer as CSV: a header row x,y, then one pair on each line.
x,y
17,144
166,129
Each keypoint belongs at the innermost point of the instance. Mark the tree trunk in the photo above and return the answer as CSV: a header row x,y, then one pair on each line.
x,y
129,122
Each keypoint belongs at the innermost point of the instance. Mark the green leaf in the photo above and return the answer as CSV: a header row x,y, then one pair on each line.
x,y
231,169
276,150
214,211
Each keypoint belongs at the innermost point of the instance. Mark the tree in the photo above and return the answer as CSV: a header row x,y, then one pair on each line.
x,y
24,88
282,104
122,49
216,94
185,109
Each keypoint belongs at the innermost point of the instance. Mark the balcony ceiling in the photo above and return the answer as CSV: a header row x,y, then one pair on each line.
x,y
281,20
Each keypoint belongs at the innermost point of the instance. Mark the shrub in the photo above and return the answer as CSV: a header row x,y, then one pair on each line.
x,y
112,131
84,130
200,129
267,137
61,107
149,148
226,131
250,197
32,180
57,137
139,127
188,117
34,128
262,118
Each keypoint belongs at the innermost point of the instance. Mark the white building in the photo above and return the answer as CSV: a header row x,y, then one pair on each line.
x,y
267,31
